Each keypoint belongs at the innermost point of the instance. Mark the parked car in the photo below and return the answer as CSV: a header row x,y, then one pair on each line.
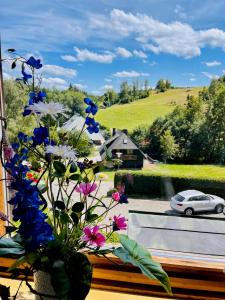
x,y
191,201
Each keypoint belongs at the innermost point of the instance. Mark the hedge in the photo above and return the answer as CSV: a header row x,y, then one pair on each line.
x,y
139,183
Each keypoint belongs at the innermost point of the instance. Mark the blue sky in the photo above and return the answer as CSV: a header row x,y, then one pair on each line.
x,y
96,44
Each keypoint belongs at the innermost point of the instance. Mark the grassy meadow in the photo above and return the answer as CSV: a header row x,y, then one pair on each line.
x,y
187,171
144,111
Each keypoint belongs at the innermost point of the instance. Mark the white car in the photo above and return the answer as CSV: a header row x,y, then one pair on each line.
x,y
191,201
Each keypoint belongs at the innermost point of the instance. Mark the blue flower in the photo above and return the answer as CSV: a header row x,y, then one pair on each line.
x,y
34,98
92,107
15,146
93,126
25,77
35,63
34,229
22,137
41,135
123,199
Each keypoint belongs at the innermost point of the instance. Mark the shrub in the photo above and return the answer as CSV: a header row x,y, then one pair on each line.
x,y
142,183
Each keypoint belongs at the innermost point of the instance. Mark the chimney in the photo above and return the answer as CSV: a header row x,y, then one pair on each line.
x,y
125,131
113,131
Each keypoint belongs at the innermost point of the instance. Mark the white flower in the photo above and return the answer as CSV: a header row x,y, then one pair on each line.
x,y
63,151
52,109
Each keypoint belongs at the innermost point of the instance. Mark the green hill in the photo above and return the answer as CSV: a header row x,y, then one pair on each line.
x,y
144,111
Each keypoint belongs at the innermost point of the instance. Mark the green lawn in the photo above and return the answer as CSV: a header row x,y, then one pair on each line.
x,y
190,171
143,111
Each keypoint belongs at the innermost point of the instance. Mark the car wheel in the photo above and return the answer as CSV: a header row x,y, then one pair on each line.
x,y
189,211
219,208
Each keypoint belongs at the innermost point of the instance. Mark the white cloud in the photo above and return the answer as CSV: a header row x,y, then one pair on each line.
x,y
108,80
175,38
213,63
97,93
123,52
179,11
6,76
107,87
80,86
140,54
189,74
210,76
54,82
69,58
192,79
129,74
58,71
153,63
87,55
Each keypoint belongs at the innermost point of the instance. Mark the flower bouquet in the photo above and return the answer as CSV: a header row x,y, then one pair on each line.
x,y
58,219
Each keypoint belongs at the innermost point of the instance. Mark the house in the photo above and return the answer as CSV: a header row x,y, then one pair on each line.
x,y
122,147
76,122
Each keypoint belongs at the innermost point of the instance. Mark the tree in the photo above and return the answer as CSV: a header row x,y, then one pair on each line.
x,y
139,135
168,146
162,85
110,97
124,94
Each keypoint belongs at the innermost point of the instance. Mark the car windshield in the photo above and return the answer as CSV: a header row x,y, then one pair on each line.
x,y
179,198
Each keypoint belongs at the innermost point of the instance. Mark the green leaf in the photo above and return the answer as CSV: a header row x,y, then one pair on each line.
x,y
64,218
60,205
13,65
8,246
60,280
75,218
17,263
11,50
135,254
10,229
73,167
75,177
78,207
59,167
91,217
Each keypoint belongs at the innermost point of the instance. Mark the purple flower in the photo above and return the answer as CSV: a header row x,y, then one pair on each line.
x,y
86,188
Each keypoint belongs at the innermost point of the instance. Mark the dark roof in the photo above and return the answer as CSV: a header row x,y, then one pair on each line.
x,y
119,141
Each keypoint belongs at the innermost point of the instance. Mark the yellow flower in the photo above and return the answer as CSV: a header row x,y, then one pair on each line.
x,y
101,176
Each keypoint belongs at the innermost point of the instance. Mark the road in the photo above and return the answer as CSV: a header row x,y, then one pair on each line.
x,y
148,205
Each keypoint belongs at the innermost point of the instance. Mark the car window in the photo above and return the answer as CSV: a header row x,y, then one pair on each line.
x,y
195,198
203,198
179,198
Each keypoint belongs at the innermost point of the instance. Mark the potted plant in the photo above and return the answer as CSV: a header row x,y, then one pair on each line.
x,y
58,219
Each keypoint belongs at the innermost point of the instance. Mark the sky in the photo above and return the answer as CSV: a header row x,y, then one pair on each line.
x,y
97,44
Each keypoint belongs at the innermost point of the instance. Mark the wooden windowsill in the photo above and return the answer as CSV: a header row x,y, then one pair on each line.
x,y
190,279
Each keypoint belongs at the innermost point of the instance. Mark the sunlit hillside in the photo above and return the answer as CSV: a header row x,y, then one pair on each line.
x,y
144,111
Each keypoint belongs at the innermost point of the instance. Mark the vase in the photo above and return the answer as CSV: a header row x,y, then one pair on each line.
x,y
42,285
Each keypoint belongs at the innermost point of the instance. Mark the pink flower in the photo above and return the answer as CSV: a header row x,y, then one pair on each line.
x,y
119,223
93,236
116,196
86,188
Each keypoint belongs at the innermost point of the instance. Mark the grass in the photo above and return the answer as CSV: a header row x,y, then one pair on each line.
x,y
187,171
145,111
